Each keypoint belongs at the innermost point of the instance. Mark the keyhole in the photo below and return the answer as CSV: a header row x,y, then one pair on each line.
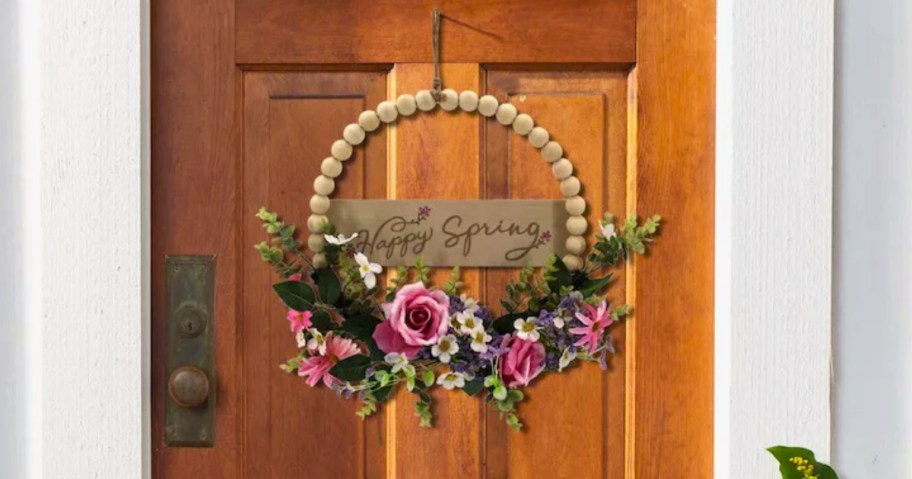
x,y
191,322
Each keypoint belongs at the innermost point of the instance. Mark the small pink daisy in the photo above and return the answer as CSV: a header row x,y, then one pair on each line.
x,y
596,321
316,367
298,320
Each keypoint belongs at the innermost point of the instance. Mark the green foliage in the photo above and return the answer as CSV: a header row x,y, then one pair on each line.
x,y
453,285
352,368
530,291
283,243
360,326
297,295
631,238
423,409
799,463
399,280
423,272
322,320
473,387
328,285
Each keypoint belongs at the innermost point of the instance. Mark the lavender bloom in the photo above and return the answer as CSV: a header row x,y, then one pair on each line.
x,y
456,304
603,360
552,361
546,318
369,372
484,314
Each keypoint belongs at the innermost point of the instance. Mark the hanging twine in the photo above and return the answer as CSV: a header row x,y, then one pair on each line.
x,y
437,84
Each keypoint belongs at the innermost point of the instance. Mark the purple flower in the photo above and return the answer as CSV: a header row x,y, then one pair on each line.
x,y
456,304
552,361
545,236
424,211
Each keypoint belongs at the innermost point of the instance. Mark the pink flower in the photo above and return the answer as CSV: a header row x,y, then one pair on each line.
x,y
299,320
417,317
596,321
317,367
296,277
523,361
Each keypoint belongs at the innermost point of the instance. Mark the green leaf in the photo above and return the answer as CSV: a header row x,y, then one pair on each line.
x,y
504,324
790,471
383,393
360,326
593,285
473,387
322,320
296,295
328,285
561,276
427,377
351,369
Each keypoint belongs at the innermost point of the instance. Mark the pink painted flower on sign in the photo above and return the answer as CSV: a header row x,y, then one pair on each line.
x,y
316,367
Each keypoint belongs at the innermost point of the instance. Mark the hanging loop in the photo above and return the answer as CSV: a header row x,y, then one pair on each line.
x,y
435,35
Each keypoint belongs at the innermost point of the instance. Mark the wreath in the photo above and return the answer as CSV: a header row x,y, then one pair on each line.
x,y
362,338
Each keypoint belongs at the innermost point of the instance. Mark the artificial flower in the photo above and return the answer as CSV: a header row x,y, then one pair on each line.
x,y
595,321
566,358
317,342
527,328
480,341
523,361
301,339
608,229
468,323
445,348
451,379
339,239
316,368
417,315
469,303
368,270
397,360
298,320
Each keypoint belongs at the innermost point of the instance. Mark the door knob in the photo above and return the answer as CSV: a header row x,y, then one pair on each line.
x,y
188,386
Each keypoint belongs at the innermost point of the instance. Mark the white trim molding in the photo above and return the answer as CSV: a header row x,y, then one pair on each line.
x,y
774,210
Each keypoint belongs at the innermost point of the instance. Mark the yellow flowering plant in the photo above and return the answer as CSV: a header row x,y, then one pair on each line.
x,y
799,463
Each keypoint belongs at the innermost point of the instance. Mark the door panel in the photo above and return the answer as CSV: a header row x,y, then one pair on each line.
x,y
247,98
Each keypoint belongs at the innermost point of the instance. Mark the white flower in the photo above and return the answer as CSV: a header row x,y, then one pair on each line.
x,y
301,339
397,360
566,358
368,270
526,328
608,230
558,321
471,304
445,348
339,239
468,323
317,342
480,340
452,380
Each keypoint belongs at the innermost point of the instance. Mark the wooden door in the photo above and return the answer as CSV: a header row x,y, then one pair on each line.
x,y
248,95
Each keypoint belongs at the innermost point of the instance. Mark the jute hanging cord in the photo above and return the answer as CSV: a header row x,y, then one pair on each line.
x,y
437,84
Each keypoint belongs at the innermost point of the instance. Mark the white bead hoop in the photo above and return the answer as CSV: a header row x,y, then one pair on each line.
x,y
505,114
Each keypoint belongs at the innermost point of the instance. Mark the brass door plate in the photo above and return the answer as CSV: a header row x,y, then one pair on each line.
x,y
190,289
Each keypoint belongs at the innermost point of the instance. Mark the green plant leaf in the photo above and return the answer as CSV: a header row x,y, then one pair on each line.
x,y
383,393
473,387
560,277
322,320
328,285
351,369
360,326
296,295
783,454
591,286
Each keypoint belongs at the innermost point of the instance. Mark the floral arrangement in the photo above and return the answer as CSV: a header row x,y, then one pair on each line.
x,y
359,337
799,463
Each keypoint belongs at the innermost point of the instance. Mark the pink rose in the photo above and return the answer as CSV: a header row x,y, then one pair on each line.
x,y
416,318
522,362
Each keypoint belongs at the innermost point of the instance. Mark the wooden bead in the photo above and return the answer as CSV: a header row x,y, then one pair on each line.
x,y
387,111
319,204
552,151
425,100
369,120
577,225
315,223
523,124
562,168
319,261
487,105
353,134
341,150
539,137
316,243
449,99
575,245
331,167
468,100
573,263
324,185
570,186
406,105
506,113
575,205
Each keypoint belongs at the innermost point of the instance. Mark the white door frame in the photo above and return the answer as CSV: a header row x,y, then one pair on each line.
x,y
86,151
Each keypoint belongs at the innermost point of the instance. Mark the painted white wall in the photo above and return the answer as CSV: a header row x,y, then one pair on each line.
x,y
773,231
873,262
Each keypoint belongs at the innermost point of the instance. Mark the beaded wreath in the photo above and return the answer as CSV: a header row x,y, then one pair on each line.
x,y
359,341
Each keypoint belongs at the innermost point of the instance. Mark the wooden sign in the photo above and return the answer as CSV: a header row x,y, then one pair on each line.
x,y
497,233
